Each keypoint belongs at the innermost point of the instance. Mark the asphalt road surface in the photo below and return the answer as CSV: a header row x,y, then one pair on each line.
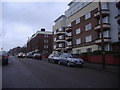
x,y
31,73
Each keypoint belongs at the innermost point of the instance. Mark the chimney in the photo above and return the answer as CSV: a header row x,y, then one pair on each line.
x,y
42,29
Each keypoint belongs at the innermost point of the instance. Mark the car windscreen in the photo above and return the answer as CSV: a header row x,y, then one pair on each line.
x,y
56,55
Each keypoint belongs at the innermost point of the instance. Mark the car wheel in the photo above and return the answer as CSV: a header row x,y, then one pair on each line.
x,y
59,62
54,61
68,64
48,60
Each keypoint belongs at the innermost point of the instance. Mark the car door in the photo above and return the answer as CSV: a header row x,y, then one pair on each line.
x,y
63,59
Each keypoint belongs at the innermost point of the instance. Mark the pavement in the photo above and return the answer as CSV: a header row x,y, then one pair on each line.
x,y
108,68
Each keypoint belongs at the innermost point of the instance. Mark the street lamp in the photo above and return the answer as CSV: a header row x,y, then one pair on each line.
x,y
102,38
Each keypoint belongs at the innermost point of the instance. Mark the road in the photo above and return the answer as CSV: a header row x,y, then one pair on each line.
x,y
31,73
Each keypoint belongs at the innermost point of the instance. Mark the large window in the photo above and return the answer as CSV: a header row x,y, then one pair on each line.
x,y
88,15
78,51
105,20
69,43
104,6
88,27
54,47
61,45
61,37
78,31
69,34
78,41
105,34
89,50
77,20
45,35
45,46
89,38
45,41
54,39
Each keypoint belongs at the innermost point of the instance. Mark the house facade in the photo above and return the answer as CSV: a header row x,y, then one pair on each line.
x,y
83,27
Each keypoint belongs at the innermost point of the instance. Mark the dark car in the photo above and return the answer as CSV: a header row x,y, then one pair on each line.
x,y
21,55
29,55
70,60
4,57
37,56
54,58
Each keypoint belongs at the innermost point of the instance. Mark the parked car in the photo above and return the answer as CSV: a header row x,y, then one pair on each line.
x,y
29,55
4,56
21,55
70,60
54,58
37,56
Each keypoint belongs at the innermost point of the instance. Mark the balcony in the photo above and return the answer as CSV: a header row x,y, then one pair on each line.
x,y
68,29
105,12
68,47
106,26
118,19
118,5
60,40
106,40
59,48
60,32
68,38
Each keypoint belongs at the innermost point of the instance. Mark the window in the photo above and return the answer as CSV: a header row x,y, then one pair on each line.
x,y
78,31
78,41
45,35
104,6
45,46
61,37
54,32
88,15
78,51
88,27
105,19
77,20
54,39
54,47
61,45
107,47
69,43
89,50
105,34
69,34
45,41
89,38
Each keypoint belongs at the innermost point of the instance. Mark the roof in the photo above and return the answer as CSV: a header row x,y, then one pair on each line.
x,y
59,18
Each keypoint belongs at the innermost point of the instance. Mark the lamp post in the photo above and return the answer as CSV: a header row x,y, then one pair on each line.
x,y
102,38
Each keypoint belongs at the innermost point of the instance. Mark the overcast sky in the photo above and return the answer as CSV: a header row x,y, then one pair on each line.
x,y
22,19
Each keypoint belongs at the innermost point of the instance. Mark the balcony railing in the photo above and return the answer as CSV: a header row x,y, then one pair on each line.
x,y
68,29
105,12
68,38
68,47
60,48
106,40
118,18
106,26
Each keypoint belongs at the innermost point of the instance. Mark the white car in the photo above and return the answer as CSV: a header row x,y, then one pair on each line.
x,y
54,58
70,60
